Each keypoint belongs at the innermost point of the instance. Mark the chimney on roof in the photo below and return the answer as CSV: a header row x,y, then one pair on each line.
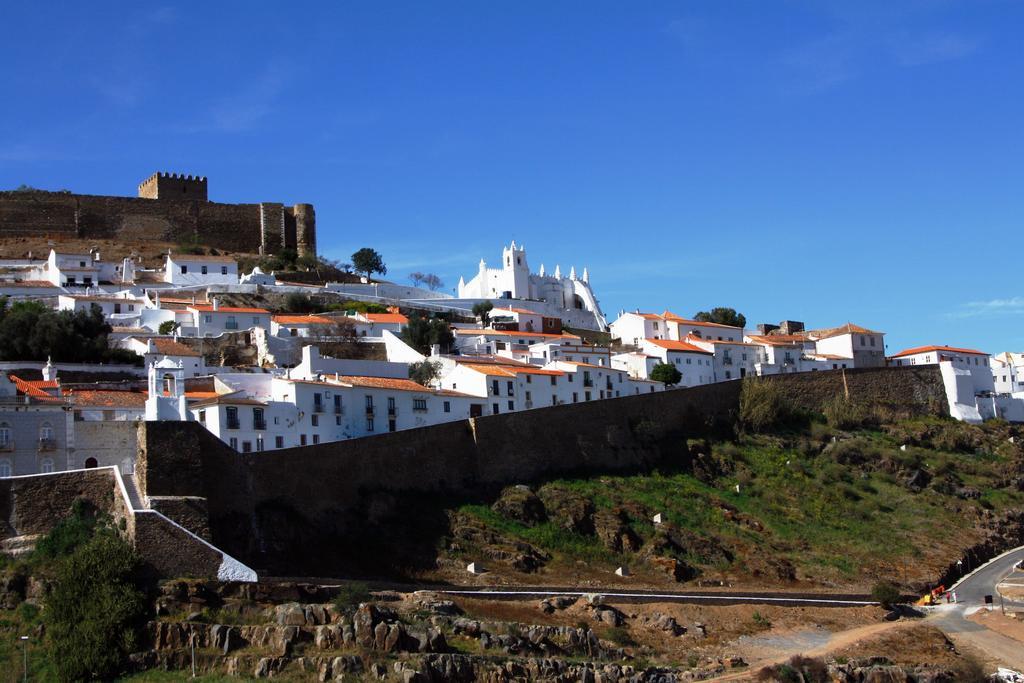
x,y
435,350
49,372
215,303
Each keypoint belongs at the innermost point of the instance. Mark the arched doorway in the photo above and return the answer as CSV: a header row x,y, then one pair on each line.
x,y
90,463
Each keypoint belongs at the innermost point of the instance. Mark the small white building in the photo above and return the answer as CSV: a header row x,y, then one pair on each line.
x,y
212,320
156,349
857,346
113,307
1008,372
300,325
733,359
696,364
973,362
375,324
633,328
191,269
491,341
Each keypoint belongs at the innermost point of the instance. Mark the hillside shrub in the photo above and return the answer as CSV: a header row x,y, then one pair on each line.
x,y
68,534
764,407
842,413
299,303
885,593
94,610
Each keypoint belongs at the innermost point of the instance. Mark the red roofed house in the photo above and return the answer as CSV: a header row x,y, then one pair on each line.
x,y
974,362
374,324
212,320
864,347
697,365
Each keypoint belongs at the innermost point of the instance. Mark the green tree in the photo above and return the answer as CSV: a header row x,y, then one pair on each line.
x,y
299,303
424,372
666,373
31,331
368,261
483,310
722,316
886,593
93,612
421,333
168,327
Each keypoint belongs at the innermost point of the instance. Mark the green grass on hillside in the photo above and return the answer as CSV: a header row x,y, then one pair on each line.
x,y
835,511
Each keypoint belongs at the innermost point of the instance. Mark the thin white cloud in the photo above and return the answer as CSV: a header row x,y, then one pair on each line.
x,y
993,307
247,107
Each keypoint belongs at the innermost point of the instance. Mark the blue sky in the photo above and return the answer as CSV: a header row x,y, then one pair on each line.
x,y
819,161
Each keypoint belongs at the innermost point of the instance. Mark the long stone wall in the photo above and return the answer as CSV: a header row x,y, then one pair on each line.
x,y
229,227
293,509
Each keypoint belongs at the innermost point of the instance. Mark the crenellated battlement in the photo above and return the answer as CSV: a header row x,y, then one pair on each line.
x,y
163,185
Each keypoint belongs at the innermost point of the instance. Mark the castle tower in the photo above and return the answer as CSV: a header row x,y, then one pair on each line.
x,y
174,186
305,229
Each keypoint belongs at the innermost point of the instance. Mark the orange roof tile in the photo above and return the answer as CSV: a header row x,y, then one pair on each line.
x,y
386,318
929,349
719,341
672,345
776,339
33,388
170,347
109,399
513,333
512,370
848,328
669,315
384,383
302,320
208,308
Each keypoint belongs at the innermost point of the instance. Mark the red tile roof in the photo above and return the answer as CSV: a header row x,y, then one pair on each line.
x,y
383,383
109,399
929,349
34,388
386,318
170,347
302,320
513,333
511,370
208,308
669,315
776,339
673,345
848,328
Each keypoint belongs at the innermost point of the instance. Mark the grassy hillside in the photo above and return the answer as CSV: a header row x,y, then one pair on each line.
x,y
814,505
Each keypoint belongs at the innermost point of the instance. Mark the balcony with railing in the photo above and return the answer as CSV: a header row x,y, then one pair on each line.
x,y
7,445
47,443
233,423
338,409
259,424
587,382
230,325
318,406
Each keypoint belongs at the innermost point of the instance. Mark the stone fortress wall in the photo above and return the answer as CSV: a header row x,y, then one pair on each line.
x,y
292,510
169,208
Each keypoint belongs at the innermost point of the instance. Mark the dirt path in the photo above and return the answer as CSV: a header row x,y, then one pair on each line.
x,y
836,641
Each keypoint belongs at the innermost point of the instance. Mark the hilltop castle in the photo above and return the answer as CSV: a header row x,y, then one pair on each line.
x,y
170,207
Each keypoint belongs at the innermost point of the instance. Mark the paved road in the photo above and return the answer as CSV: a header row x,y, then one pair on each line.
x,y
705,598
970,592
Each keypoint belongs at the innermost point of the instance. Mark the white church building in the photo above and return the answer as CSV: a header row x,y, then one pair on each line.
x,y
567,297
